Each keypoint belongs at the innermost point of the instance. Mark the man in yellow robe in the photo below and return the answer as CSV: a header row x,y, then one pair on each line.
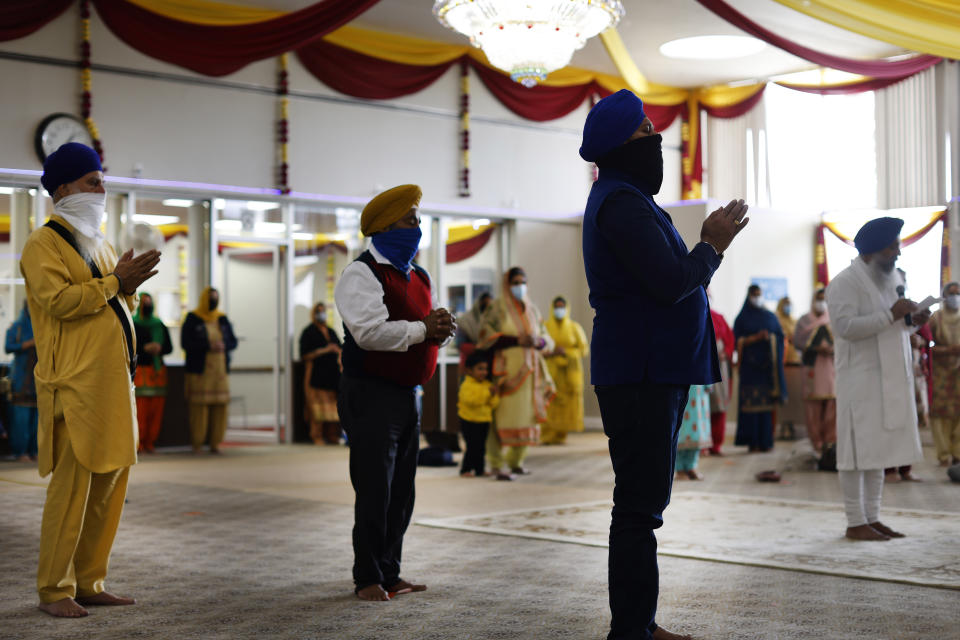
x,y
565,364
80,297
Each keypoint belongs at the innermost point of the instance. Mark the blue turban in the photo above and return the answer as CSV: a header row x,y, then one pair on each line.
x,y
70,162
877,235
610,123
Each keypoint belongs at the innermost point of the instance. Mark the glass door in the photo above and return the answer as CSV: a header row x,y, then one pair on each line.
x,y
252,295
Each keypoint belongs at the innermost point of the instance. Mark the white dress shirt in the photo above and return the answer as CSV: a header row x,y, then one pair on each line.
x,y
359,299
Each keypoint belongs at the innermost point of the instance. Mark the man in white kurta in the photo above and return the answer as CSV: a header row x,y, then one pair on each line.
x,y
876,411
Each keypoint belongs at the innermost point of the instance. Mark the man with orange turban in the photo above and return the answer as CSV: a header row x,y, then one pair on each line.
x,y
393,331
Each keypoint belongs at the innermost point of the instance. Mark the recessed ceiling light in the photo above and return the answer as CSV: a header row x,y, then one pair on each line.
x,y
712,47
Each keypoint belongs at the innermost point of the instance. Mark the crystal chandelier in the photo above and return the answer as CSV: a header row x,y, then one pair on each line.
x,y
528,38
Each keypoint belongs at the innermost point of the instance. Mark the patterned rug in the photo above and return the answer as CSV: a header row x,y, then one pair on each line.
x,y
762,532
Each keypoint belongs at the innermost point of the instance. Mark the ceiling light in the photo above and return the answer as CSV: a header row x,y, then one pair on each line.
x,y
177,202
154,220
712,47
528,39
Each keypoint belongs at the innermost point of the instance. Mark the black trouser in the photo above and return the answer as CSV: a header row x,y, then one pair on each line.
x,y
642,422
475,437
382,421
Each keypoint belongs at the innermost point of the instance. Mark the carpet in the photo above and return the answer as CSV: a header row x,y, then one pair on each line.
x,y
775,533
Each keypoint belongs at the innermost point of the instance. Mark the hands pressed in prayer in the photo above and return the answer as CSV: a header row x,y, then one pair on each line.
x,y
134,271
440,325
525,340
723,225
217,346
153,348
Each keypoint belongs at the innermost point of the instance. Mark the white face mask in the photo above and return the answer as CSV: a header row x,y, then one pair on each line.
x,y
756,301
952,301
321,317
560,313
519,291
819,306
84,211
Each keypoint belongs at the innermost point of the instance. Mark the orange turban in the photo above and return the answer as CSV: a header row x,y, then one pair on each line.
x,y
389,207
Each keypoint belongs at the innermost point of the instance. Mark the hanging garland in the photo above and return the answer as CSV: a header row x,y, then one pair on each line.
x,y
283,126
464,129
945,275
86,99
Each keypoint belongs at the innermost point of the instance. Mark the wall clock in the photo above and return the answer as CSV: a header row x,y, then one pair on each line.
x,y
58,129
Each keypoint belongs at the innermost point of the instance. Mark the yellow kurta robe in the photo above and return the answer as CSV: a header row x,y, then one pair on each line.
x,y
81,353
565,413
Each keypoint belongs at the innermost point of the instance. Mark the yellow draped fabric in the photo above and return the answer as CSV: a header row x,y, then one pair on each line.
x,y
836,228
927,26
75,329
219,14
203,310
565,413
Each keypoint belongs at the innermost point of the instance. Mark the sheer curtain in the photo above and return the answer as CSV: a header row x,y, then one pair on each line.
x,y
736,155
822,150
909,149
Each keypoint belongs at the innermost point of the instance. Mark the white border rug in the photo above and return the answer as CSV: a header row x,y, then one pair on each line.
x,y
782,534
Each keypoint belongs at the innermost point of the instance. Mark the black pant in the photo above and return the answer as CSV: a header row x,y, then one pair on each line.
x,y
382,421
642,422
475,437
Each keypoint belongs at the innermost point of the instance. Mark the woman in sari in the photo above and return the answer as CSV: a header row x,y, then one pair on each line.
x,y
762,385
788,326
513,331
320,350
565,364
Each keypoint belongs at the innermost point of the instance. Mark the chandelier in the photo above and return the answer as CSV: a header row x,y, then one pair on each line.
x,y
528,38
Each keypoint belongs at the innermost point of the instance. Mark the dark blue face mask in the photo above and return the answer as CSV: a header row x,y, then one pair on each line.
x,y
399,246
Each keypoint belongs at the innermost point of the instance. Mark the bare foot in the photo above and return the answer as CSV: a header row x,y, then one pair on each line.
x,y
662,634
693,474
467,474
944,463
66,608
885,530
865,532
105,599
402,586
891,477
373,593
909,477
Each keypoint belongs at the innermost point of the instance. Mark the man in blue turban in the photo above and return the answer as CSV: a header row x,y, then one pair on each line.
x,y
652,339
80,297
872,323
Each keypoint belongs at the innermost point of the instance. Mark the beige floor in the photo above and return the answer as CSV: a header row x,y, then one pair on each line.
x,y
255,544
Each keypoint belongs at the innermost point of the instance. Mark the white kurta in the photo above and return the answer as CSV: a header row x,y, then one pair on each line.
x,y
876,408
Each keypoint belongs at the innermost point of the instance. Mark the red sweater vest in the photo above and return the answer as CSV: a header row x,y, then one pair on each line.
x,y
408,300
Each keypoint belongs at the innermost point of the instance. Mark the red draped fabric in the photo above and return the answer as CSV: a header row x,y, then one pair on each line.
x,y
537,103
19,18
872,68
218,50
854,87
362,76
458,251
735,110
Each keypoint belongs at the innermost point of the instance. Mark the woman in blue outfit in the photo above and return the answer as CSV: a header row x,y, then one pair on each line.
x,y
23,392
762,385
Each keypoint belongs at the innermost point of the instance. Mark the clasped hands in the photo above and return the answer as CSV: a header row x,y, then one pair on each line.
x,y
440,325
134,271
723,225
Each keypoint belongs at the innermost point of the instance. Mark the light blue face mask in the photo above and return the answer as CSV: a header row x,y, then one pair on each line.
x,y
756,301
952,302
519,291
560,313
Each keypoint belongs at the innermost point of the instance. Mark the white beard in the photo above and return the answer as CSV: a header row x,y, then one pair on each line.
x,y
885,280
89,247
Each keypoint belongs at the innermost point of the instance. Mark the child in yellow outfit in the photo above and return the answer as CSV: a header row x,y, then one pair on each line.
x,y
475,404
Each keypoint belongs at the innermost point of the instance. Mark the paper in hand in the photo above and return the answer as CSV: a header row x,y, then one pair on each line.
x,y
927,302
